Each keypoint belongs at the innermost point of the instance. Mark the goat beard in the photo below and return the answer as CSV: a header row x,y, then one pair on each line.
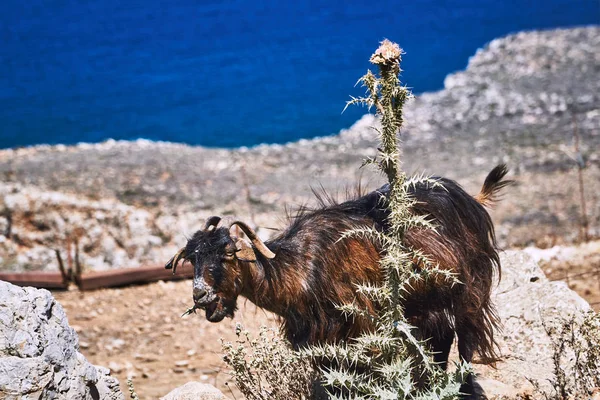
x,y
217,311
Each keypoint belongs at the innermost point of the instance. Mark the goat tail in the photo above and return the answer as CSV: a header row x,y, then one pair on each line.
x,y
492,186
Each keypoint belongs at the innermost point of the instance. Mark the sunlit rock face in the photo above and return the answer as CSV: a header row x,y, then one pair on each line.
x,y
39,357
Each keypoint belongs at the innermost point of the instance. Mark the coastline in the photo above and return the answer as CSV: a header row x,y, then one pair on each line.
x,y
453,79
517,102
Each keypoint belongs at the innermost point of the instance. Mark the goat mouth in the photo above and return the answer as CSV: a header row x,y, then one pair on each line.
x,y
214,311
218,310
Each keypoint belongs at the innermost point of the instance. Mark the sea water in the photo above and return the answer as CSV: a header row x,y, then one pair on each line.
x,y
229,73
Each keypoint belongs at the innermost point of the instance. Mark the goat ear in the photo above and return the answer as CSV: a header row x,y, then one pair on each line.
x,y
244,251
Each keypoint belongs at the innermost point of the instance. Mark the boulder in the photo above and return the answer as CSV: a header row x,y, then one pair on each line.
x,y
39,357
195,391
526,301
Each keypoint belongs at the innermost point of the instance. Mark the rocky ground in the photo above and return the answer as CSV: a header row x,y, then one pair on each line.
x,y
138,332
520,101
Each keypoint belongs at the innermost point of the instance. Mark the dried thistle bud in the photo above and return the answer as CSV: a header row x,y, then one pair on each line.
x,y
387,53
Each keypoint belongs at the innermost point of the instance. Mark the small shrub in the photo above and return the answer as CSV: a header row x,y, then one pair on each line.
x,y
132,393
575,357
267,367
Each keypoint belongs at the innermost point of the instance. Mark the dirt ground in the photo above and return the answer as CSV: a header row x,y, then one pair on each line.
x,y
138,331
578,266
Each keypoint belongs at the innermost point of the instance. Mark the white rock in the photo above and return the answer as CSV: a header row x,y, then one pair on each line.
x,y
526,300
195,391
38,351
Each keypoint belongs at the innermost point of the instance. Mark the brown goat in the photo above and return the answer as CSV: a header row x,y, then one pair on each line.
x,y
303,273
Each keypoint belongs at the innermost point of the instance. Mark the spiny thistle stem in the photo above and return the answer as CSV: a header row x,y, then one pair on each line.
x,y
389,361
389,102
388,97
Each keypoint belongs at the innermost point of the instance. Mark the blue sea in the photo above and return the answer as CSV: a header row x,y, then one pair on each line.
x,y
229,73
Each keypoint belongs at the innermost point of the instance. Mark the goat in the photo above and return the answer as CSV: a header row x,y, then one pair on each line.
x,y
304,272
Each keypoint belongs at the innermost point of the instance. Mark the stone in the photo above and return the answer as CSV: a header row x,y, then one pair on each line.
x,y
526,300
39,357
195,391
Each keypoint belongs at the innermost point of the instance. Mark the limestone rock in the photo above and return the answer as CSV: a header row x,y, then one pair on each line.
x,y
110,234
526,300
195,391
39,356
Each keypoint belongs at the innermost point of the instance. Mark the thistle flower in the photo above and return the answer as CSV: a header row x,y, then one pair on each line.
x,y
387,53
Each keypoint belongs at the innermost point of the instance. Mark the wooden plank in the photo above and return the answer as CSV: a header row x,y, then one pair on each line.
x,y
45,280
128,276
96,280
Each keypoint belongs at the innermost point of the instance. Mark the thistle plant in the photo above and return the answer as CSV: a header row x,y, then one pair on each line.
x,y
391,361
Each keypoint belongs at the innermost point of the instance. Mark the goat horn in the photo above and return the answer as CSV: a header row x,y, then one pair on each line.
x,y
260,246
212,222
172,264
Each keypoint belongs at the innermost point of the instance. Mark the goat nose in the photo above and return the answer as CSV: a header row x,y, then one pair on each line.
x,y
199,294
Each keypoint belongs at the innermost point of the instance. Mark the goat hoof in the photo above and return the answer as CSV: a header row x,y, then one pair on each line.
x,y
473,391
